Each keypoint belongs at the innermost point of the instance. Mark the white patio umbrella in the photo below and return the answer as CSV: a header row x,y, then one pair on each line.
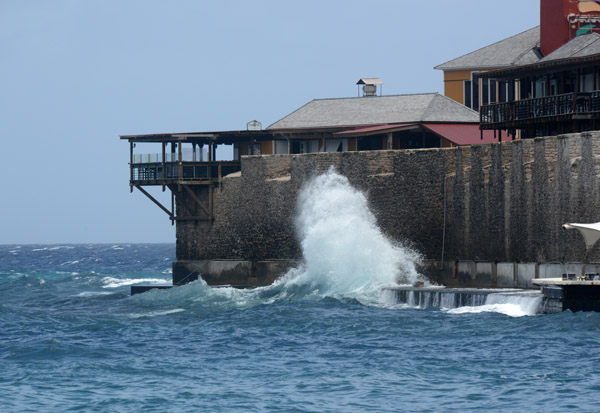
x,y
590,232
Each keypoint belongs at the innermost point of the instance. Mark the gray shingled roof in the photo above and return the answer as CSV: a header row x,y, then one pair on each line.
x,y
520,49
580,46
376,110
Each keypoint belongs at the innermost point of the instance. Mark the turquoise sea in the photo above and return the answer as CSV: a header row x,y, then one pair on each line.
x,y
323,339
72,339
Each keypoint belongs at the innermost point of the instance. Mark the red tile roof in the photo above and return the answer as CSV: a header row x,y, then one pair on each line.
x,y
462,134
457,133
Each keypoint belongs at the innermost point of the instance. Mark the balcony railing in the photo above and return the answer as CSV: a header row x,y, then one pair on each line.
x,y
510,114
159,173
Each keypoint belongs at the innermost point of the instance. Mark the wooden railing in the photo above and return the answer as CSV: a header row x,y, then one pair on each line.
x,y
159,173
528,110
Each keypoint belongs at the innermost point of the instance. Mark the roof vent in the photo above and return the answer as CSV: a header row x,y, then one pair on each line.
x,y
254,125
370,86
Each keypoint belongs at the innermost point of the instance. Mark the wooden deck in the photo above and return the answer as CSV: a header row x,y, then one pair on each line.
x,y
189,173
520,113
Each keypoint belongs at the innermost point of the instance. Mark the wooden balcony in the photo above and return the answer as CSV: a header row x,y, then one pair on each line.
x,y
188,173
522,113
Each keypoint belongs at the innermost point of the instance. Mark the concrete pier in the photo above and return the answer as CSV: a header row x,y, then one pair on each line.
x,y
138,289
450,298
575,295
234,273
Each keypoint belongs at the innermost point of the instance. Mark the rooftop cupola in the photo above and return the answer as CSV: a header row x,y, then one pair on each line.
x,y
370,86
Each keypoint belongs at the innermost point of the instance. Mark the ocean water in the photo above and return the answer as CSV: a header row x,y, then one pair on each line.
x,y
326,338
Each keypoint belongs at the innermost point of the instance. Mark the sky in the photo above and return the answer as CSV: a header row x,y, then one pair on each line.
x,y
75,75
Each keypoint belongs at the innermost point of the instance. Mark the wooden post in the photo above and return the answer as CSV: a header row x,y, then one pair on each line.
x,y
180,155
130,166
210,159
390,140
172,207
164,167
195,198
143,191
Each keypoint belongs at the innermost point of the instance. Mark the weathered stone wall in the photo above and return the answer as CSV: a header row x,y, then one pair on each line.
x,y
500,202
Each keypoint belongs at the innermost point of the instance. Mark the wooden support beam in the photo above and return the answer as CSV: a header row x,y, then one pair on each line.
x,y
143,191
164,168
180,154
198,201
130,166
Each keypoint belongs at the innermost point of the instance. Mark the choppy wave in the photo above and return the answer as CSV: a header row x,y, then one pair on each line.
x,y
346,256
113,282
345,253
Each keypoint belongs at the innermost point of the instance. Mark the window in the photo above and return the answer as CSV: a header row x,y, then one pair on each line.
x,y
586,82
493,92
254,149
467,96
297,147
503,91
485,91
540,87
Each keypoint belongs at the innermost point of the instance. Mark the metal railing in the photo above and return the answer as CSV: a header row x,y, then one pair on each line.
x,y
539,108
187,155
158,173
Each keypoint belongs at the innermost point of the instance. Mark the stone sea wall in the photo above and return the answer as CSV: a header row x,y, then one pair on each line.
x,y
502,202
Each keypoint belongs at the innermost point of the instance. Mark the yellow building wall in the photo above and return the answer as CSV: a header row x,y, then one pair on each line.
x,y
453,84
266,147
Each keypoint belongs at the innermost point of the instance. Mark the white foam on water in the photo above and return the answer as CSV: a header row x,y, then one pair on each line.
x,y
513,305
93,293
111,282
61,247
157,313
345,253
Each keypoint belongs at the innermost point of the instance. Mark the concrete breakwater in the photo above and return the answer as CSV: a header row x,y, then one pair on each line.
x,y
497,203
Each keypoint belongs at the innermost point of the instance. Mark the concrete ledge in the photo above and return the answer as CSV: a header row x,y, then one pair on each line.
x,y
486,274
236,273
139,289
